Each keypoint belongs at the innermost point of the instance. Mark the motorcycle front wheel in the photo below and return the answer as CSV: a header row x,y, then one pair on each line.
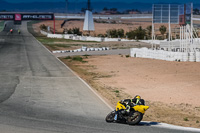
x,y
134,118
110,117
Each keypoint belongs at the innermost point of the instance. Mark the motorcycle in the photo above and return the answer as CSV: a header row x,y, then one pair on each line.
x,y
11,31
133,117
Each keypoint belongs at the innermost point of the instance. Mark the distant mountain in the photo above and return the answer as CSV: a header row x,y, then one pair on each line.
x,y
73,7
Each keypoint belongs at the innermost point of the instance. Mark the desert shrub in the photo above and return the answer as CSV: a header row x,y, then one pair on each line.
x,y
43,27
113,22
185,119
76,31
69,31
149,31
139,33
77,58
159,37
162,30
68,57
73,31
115,33
120,32
101,35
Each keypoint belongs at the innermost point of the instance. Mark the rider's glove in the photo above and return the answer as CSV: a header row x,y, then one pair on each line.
x,y
134,104
127,108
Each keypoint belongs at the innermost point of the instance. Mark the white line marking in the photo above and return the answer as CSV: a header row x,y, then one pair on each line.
x,y
169,126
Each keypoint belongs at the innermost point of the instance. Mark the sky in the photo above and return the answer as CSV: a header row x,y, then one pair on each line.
x,y
144,1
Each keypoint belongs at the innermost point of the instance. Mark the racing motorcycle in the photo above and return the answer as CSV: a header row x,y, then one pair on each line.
x,y
11,31
133,117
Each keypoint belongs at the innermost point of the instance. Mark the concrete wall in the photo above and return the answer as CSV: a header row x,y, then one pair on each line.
x,y
165,55
82,38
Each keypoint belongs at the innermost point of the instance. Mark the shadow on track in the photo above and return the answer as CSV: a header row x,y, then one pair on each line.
x,y
143,123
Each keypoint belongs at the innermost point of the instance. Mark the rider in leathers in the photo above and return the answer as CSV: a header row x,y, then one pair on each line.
x,y
128,103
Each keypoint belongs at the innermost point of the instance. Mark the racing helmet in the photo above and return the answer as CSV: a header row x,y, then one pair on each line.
x,y
137,97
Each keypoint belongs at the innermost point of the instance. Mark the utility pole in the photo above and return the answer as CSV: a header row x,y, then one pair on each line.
x,y
66,2
89,5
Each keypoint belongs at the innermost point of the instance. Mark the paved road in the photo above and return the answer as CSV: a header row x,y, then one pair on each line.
x,y
39,94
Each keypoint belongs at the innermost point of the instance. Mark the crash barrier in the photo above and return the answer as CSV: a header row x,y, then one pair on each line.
x,y
81,50
82,38
197,56
97,39
43,32
165,55
162,43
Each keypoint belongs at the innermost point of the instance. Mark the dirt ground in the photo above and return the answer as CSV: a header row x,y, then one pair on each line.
x,y
101,26
171,89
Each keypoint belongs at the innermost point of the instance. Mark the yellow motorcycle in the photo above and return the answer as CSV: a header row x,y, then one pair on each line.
x,y
133,117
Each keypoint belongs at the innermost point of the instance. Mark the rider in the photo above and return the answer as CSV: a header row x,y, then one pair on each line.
x,y
11,30
128,103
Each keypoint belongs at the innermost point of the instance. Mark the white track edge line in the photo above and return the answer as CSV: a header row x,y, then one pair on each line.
x,y
174,127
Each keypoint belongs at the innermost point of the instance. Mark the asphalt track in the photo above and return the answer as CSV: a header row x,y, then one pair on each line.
x,y
38,94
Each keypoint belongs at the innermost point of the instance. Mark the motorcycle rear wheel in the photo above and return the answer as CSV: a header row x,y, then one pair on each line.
x,y
134,118
110,117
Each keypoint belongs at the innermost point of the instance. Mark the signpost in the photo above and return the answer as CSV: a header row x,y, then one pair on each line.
x,y
182,14
6,16
165,13
171,14
37,17
18,17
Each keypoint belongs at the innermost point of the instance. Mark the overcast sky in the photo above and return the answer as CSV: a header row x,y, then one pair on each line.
x,y
144,1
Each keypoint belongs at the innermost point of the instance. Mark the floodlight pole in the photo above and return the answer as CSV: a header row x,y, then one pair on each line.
x,y
152,35
192,28
185,39
192,19
89,5
54,25
66,2
152,26
180,38
169,35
